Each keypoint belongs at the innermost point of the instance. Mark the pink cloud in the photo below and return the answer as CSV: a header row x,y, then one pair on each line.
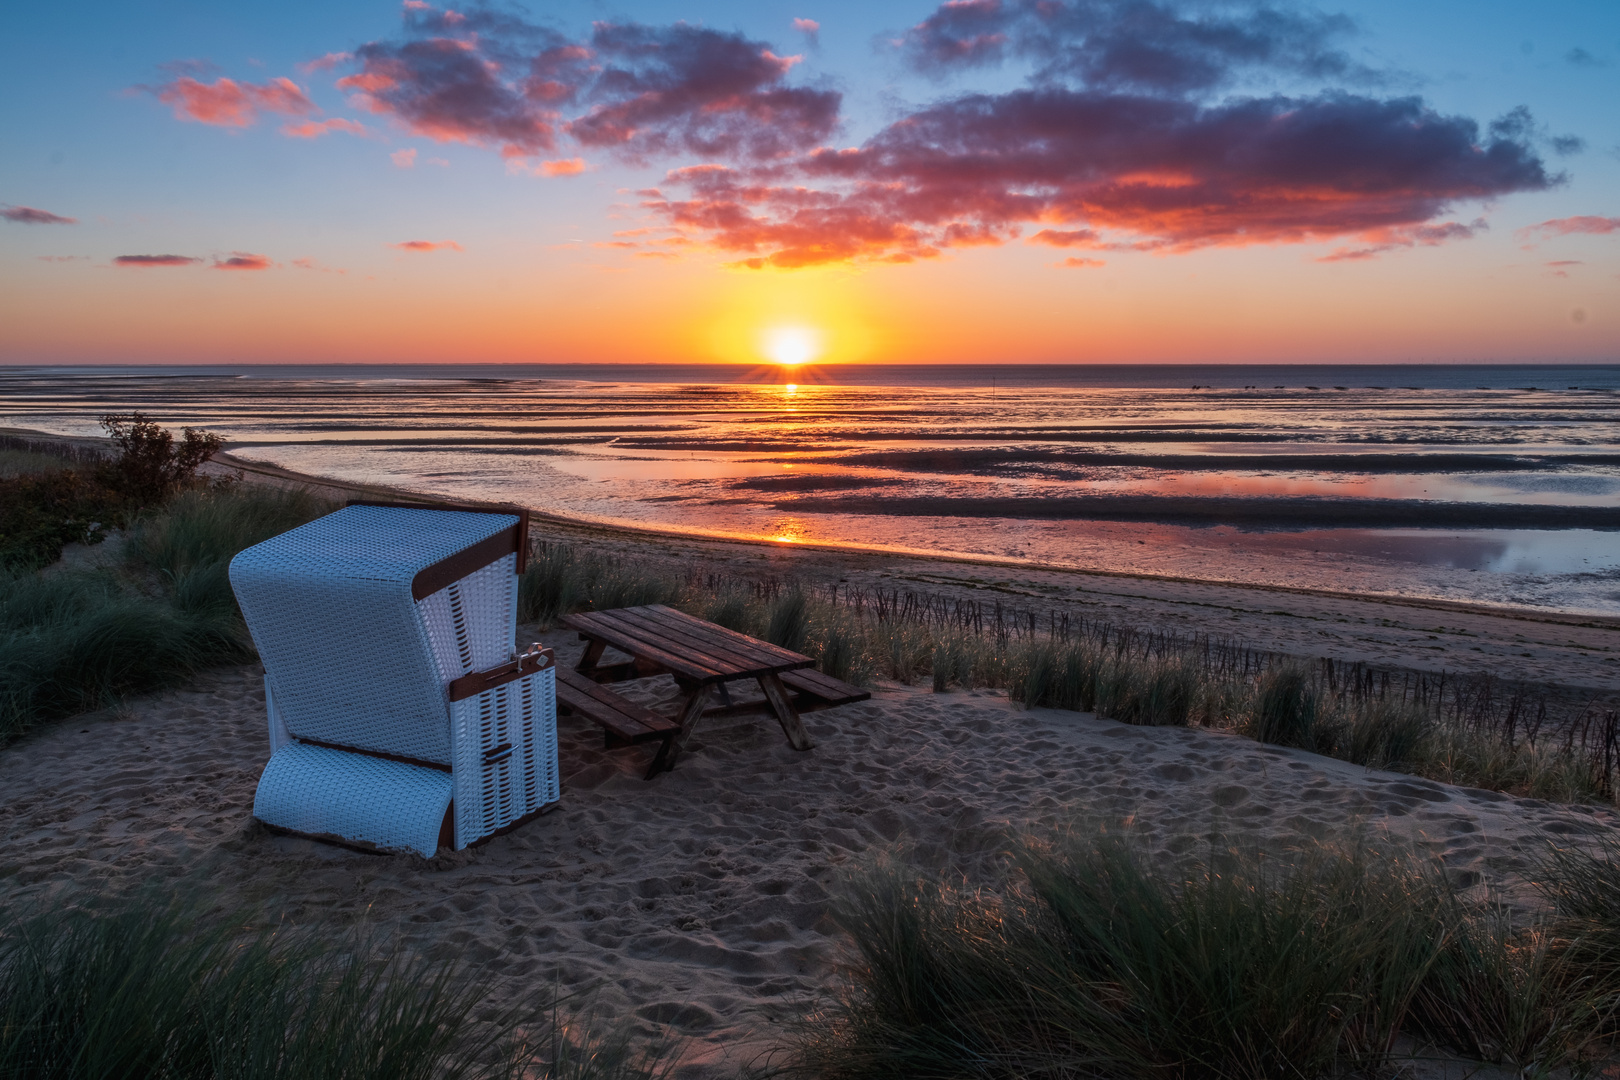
x,y
404,159
308,263
563,167
228,103
1589,224
314,129
1379,241
1085,238
428,245
1075,262
324,63
243,260
809,28
28,215
155,260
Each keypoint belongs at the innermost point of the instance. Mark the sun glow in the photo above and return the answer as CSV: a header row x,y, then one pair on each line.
x,y
791,346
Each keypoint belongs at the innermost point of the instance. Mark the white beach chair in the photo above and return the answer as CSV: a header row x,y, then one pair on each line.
x,y
401,714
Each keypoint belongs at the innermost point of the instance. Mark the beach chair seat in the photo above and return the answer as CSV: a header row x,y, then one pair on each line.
x,y
401,715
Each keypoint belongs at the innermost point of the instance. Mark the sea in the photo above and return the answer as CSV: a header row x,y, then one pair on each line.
x,y
1490,484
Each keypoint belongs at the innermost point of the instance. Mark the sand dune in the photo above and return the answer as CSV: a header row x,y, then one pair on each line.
x,y
698,904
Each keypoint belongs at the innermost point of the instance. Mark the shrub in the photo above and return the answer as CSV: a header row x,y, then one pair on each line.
x,y
41,513
150,465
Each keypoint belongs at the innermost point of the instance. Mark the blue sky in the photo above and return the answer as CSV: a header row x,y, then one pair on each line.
x,y
532,273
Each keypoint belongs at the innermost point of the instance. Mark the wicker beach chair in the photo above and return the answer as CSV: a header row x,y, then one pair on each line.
x,y
401,715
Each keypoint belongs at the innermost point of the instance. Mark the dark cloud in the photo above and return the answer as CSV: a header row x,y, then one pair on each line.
x,y
443,89
1135,45
684,88
1125,172
28,215
155,260
489,78
243,260
1581,58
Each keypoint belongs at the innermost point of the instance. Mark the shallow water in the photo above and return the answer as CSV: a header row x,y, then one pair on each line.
x,y
1489,484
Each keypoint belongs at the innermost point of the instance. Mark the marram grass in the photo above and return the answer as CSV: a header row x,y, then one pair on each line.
x,y
158,987
1091,959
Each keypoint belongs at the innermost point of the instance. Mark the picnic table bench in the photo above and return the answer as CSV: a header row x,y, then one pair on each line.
x,y
703,657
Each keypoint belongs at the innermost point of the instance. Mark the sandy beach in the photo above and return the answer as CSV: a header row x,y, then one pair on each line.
x,y
697,905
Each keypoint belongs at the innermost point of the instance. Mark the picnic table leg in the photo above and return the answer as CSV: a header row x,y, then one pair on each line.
x,y
786,714
593,654
689,715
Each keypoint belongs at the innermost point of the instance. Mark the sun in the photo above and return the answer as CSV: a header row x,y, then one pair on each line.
x,y
791,346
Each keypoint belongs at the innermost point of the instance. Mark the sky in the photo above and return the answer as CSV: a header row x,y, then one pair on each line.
x,y
974,181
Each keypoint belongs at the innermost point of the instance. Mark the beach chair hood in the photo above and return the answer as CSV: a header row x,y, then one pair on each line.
x,y
332,607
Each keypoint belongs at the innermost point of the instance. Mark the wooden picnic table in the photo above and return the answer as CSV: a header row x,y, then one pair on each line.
x,y
700,655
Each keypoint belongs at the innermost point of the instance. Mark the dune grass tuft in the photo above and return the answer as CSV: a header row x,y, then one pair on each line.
x,y
73,641
156,986
1091,959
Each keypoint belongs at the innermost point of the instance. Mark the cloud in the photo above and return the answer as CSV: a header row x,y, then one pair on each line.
x,y
1068,238
1581,58
1556,267
810,29
60,258
404,159
1379,241
1589,224
1075,262
28,215
243,260
428,245
490,79
314,129
683,88
309,263
443,163
1138,45
563,167
228,103
155,260
1140,172
325,63
1141,125
482,78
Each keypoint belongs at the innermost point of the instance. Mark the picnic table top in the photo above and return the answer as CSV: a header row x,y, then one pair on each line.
x,y
690,647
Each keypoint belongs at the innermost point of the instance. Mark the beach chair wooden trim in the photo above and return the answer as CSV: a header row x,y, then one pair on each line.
x,y
519,542
536,659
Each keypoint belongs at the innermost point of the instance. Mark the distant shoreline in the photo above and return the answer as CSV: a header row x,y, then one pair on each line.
x,y
1215,375
1544,645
